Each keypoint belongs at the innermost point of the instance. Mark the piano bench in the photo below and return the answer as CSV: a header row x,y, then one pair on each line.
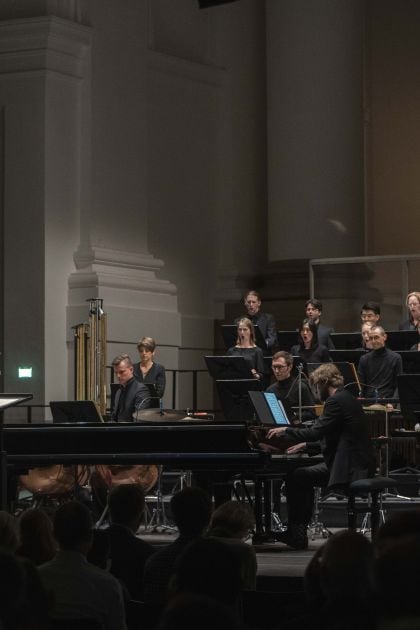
x,y
372,488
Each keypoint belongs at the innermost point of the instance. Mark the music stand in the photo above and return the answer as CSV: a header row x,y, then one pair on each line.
x,y
286,339
347,356
409,392
7,401
401,339
348,372
269,410
230,336
346,341
411,361
234,398
228,367
74,411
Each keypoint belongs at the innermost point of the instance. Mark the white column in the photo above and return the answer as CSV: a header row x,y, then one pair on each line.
x,y
41,72
315,128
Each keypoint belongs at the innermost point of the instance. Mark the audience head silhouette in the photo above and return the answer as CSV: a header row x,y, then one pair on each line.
x,y
126,505
73,527
191,510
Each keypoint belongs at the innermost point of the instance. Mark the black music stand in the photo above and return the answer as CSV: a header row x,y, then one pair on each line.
x,y
401,339
223,368
234,398
230,336
346,341
286,339
348,372
409,392
7,401
411,361
347,356
74,411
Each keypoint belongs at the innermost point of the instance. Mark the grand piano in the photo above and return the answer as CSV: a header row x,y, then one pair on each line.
x,y
188,445
182,444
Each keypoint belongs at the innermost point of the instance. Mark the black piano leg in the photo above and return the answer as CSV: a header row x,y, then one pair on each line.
x,y
262,525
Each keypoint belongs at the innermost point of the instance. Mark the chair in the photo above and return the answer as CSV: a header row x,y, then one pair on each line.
x,y
372,488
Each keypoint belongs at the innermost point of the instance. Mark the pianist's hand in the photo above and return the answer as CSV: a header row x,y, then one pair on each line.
x,y
296,448
279,432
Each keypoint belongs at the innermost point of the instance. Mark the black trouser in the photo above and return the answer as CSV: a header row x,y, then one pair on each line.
x,y
300,486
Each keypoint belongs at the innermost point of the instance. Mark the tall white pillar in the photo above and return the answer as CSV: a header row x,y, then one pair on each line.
x,y
41,72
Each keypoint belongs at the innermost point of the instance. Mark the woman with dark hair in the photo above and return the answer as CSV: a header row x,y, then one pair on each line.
x,y
308,348
247,348
147,371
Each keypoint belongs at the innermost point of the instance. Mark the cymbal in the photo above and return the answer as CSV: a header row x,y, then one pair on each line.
x,y
155,415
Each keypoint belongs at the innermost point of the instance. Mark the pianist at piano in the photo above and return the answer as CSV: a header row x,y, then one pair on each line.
x,y
341,435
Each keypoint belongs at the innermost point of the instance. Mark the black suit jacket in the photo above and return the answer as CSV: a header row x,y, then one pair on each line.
x,y
324,338
343,436
267,325
135,396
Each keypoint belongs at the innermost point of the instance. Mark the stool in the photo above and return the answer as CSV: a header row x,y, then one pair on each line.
x,y
373,488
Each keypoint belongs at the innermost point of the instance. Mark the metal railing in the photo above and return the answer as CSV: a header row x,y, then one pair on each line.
x,y
403,260
194,404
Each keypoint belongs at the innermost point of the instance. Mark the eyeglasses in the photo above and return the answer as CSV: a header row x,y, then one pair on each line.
x,y
279,367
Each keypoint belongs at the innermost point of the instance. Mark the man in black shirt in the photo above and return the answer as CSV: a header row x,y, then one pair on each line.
x,y
313,310
132,395
287,388
264,321
379,368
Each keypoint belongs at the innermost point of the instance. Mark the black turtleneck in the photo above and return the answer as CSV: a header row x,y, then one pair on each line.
x,y
378,371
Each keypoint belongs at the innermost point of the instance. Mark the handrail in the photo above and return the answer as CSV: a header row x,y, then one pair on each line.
x,y
403,259
193,372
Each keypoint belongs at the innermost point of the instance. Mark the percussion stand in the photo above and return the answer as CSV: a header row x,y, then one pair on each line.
x,y
158,522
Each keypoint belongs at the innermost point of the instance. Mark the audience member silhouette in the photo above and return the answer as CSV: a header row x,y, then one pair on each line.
x,y
128,553
9,539
397,526
79,589
339,586
37,542
397,572
191,510
232,523
24,603
211,568
189,612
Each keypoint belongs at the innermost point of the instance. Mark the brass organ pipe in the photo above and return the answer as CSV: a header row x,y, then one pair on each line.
x,y
90,359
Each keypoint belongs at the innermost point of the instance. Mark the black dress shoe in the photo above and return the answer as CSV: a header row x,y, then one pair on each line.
x,y
295,536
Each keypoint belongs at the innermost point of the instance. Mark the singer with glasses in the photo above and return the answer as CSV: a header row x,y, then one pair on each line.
x,y
287,387
132,395
149,372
